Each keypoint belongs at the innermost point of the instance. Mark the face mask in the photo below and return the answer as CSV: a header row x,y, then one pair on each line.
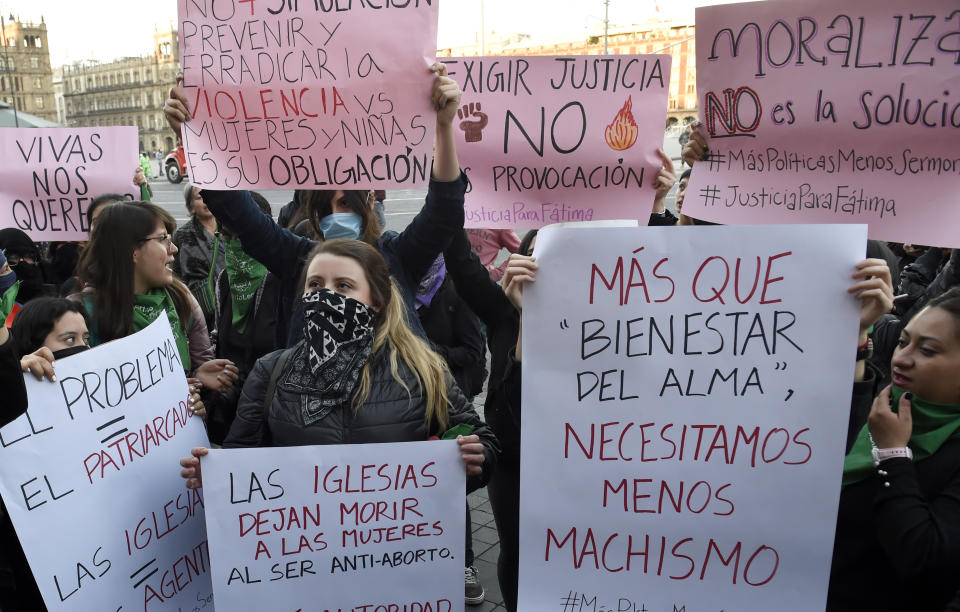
x,y
341,225
67,352
332,322
31,280
6,281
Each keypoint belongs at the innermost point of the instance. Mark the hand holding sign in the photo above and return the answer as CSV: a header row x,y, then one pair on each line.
x,y
191,467
875,291
175,108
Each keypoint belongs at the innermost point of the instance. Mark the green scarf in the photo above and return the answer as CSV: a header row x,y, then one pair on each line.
x,y
8,300
149,306
933,424
245,275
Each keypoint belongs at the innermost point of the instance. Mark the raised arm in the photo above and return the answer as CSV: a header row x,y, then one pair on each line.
x,y
277,248
429,233
474,285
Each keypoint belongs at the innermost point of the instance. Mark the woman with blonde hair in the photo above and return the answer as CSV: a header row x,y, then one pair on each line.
x,y
359,375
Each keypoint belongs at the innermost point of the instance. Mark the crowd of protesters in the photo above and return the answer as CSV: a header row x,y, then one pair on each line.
x,y
324,328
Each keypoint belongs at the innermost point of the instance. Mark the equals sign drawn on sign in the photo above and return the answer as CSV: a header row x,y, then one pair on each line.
x,y
144,579
114,434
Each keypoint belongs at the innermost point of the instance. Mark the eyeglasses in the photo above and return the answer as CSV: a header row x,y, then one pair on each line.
x,y
14,259
164,239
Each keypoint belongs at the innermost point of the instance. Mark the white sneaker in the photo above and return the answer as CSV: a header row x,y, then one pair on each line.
x,y
473,590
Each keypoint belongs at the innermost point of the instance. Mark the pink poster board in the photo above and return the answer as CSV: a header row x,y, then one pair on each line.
x,y
312,95
817,112
50,175
554,139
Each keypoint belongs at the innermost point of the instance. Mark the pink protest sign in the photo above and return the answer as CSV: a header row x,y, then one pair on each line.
x,y
49,176
823,113
314,95
555,139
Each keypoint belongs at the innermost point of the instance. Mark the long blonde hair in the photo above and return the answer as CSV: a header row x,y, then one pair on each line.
x,y
391,329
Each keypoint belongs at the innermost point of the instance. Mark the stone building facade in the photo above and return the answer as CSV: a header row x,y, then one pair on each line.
x,y
127,91
677,40
26,80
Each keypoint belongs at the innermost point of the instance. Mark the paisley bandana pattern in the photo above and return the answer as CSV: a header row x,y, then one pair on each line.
x,y
339,339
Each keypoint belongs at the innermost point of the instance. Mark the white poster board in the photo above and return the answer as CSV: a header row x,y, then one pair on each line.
x,y
683,424
91,480
360,527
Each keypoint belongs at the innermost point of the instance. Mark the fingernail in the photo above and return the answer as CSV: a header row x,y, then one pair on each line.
x,y
53,378
908,396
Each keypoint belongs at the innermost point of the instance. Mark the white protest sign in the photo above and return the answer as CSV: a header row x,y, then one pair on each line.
x,y
686,395
359,527
91,480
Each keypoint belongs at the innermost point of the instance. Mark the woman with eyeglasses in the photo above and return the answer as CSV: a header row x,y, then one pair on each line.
x,y
128,269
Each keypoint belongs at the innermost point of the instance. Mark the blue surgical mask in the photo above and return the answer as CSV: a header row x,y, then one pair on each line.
x,y
341,225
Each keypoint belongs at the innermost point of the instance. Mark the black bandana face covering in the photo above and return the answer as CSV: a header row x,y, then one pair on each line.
x,y
339,337
334,321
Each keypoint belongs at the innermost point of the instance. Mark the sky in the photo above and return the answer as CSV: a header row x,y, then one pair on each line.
x,y
118,28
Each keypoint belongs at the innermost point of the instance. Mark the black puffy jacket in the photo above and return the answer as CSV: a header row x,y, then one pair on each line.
x,y
388,415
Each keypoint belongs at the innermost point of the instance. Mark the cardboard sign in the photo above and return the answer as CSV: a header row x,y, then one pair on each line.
x,y
559,139
312,95
360,527
49,176
685,399
816,113
90,478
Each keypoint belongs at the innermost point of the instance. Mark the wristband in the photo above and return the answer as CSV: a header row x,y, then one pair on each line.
x,y
882,454
865,351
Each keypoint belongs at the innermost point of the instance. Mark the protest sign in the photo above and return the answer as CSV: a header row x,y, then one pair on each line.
x,y
821,113
685,397
50,175
361,527
558,139
91,480
316,95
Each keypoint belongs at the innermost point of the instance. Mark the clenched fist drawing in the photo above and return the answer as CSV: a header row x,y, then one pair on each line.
x,y
472,130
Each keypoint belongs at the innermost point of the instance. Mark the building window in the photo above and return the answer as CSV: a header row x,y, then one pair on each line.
x,y
34,62
38,101
37,83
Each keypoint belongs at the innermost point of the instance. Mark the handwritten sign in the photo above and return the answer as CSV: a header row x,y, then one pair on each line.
x,y
90,478
49,176
317,95
695,400
361,527
819,115
559,139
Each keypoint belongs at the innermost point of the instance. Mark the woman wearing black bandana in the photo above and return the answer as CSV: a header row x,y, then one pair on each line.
x,y
359,375
23,256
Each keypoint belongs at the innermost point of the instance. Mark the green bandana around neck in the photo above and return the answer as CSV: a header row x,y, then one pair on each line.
x,y
245,275
148,307
8,300
933,425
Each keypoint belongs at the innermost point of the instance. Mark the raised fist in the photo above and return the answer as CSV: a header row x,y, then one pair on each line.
x,y
473,130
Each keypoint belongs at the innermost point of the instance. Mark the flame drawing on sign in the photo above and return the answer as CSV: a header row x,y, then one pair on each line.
x,y
621,134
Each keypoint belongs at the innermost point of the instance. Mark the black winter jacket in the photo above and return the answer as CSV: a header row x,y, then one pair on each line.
x,y
258,339
897,547
454,333
490,304
388,415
